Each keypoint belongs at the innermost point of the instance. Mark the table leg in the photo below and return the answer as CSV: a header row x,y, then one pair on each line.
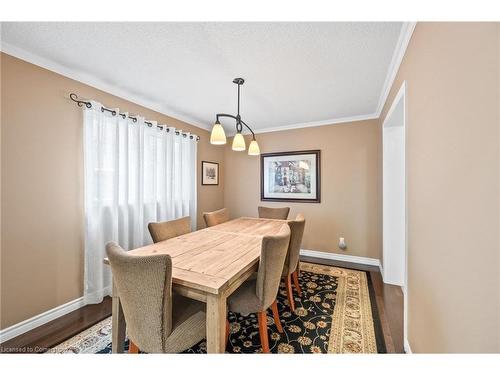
x,y
118,324
216,323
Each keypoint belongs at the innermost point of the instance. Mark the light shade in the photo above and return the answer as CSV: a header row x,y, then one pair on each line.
x,y
239,143
218,136
253,149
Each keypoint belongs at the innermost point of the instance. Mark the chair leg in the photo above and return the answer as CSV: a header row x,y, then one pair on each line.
x,y
289,292
264,340
132,348
276,316
227,331
296,282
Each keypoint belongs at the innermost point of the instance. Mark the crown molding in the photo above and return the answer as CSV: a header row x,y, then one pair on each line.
x,y
95,82
301,125
397,57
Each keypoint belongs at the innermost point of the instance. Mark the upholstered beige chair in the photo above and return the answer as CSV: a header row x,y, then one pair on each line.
x,y
157,321
169,229
259,293
216,217
280,213
291,267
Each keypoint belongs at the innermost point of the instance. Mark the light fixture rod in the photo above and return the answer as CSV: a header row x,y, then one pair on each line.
x,y
238,100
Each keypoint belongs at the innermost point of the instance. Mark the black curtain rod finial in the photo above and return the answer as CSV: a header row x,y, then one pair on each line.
x,y
80,103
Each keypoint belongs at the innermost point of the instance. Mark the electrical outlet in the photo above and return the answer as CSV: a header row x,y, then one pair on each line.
x,y
342,244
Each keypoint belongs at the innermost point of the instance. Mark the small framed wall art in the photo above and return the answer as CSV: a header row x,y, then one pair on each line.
x,y
209,173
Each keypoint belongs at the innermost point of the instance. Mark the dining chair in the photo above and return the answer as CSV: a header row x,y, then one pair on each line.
x,y
259,293
280,213
216,217
291,267
169,229
158,321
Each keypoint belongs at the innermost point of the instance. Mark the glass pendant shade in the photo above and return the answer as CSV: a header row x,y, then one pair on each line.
x,y
218,136
253,149
239,143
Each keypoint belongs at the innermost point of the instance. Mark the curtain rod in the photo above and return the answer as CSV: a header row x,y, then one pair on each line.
x,y
81,103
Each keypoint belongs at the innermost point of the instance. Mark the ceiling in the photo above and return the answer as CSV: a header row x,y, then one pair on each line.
x,y
296,74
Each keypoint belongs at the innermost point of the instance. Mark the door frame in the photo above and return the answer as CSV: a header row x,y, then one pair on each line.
x,y
402,96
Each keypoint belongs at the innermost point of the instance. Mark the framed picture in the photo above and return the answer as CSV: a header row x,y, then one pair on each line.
x,y
290,176
209,173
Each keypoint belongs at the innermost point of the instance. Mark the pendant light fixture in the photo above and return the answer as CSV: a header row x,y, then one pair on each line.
x,y
218,136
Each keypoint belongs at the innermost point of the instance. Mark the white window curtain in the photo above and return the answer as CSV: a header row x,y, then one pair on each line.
x,y
135,174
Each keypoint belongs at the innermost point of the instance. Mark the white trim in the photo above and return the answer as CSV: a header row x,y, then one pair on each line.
x,y
401,95
38,320
43,318
333,121
406,346
97,83
399,52
381,268
395,102
397,58
341,257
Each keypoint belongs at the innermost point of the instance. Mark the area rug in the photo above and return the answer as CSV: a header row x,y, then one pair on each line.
x,y
333,315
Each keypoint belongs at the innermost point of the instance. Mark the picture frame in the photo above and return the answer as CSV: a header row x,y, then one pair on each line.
x,y
292,176
209,173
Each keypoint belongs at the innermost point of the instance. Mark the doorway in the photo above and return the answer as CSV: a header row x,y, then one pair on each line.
x,y
395,218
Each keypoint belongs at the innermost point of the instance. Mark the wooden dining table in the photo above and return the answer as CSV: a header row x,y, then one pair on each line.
x,y
208,265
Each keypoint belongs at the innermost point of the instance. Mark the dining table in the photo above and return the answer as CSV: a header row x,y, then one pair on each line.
x,y
207,265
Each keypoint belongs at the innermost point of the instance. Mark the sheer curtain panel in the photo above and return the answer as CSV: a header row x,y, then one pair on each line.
x,y
135,173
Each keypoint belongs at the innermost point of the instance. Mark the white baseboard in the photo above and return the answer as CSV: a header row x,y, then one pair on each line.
x,y
381,271
40,319
407,347
342,257
45,317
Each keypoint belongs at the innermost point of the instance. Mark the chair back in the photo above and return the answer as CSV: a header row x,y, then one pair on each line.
x,y
272,259
169,229
296,232
280,213
144,284
216,217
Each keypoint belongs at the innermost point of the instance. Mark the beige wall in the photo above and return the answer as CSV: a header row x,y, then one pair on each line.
x,y
42,186
350,185
452,75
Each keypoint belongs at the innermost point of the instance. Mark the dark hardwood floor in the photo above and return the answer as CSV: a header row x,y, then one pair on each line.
x,y
389,304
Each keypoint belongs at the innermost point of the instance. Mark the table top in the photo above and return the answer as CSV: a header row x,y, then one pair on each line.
x,y
210,259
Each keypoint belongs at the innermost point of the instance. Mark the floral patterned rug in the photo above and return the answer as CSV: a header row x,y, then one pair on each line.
x,y
334,315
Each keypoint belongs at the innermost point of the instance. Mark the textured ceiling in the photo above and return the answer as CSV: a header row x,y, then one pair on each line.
x,y
294,72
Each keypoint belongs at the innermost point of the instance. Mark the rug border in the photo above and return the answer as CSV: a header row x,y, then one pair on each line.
x,y
335,343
